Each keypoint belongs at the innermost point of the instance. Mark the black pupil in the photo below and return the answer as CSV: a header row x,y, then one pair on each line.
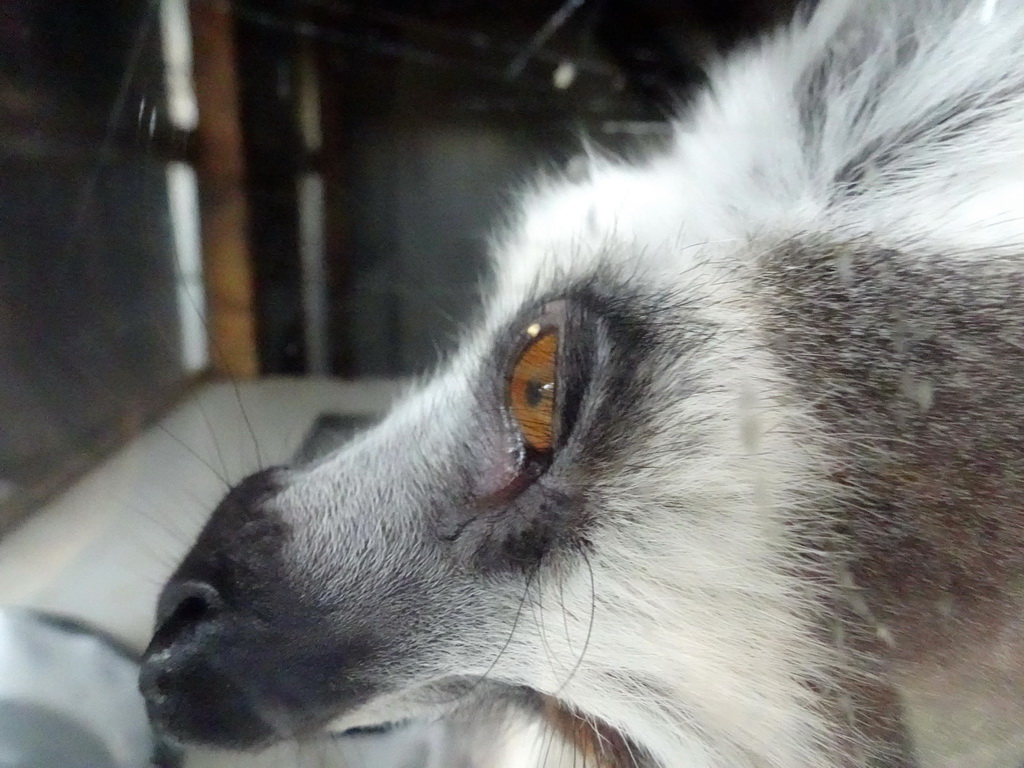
x,y
534,393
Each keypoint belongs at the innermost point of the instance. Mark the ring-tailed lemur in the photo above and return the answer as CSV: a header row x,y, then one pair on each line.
x,y
731,468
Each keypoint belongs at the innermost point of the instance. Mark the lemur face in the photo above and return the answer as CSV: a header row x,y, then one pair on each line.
x,y
444,558
591,504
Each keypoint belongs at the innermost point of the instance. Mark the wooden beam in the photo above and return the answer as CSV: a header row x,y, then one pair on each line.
x,y
220,167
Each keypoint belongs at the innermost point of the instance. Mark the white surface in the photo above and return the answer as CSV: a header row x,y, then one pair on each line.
x,y
70,675
101,550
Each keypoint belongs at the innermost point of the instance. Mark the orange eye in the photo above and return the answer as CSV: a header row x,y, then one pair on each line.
x,y
531,388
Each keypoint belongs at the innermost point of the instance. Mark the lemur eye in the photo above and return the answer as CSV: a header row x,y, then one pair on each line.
x,y
531,388
532,395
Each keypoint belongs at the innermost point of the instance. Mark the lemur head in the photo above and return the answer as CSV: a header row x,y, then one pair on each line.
x,y
610,496
587,503
578,505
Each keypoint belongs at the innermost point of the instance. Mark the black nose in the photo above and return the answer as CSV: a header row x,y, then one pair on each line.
x,y
184,607
195,683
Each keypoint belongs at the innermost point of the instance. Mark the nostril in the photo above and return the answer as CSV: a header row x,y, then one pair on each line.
x,y
186,604
192,609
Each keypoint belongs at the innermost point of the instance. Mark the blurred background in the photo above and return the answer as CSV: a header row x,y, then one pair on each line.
x,y
229,227
304,188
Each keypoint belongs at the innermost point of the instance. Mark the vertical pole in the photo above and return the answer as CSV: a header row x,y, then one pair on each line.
x,y
221,171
